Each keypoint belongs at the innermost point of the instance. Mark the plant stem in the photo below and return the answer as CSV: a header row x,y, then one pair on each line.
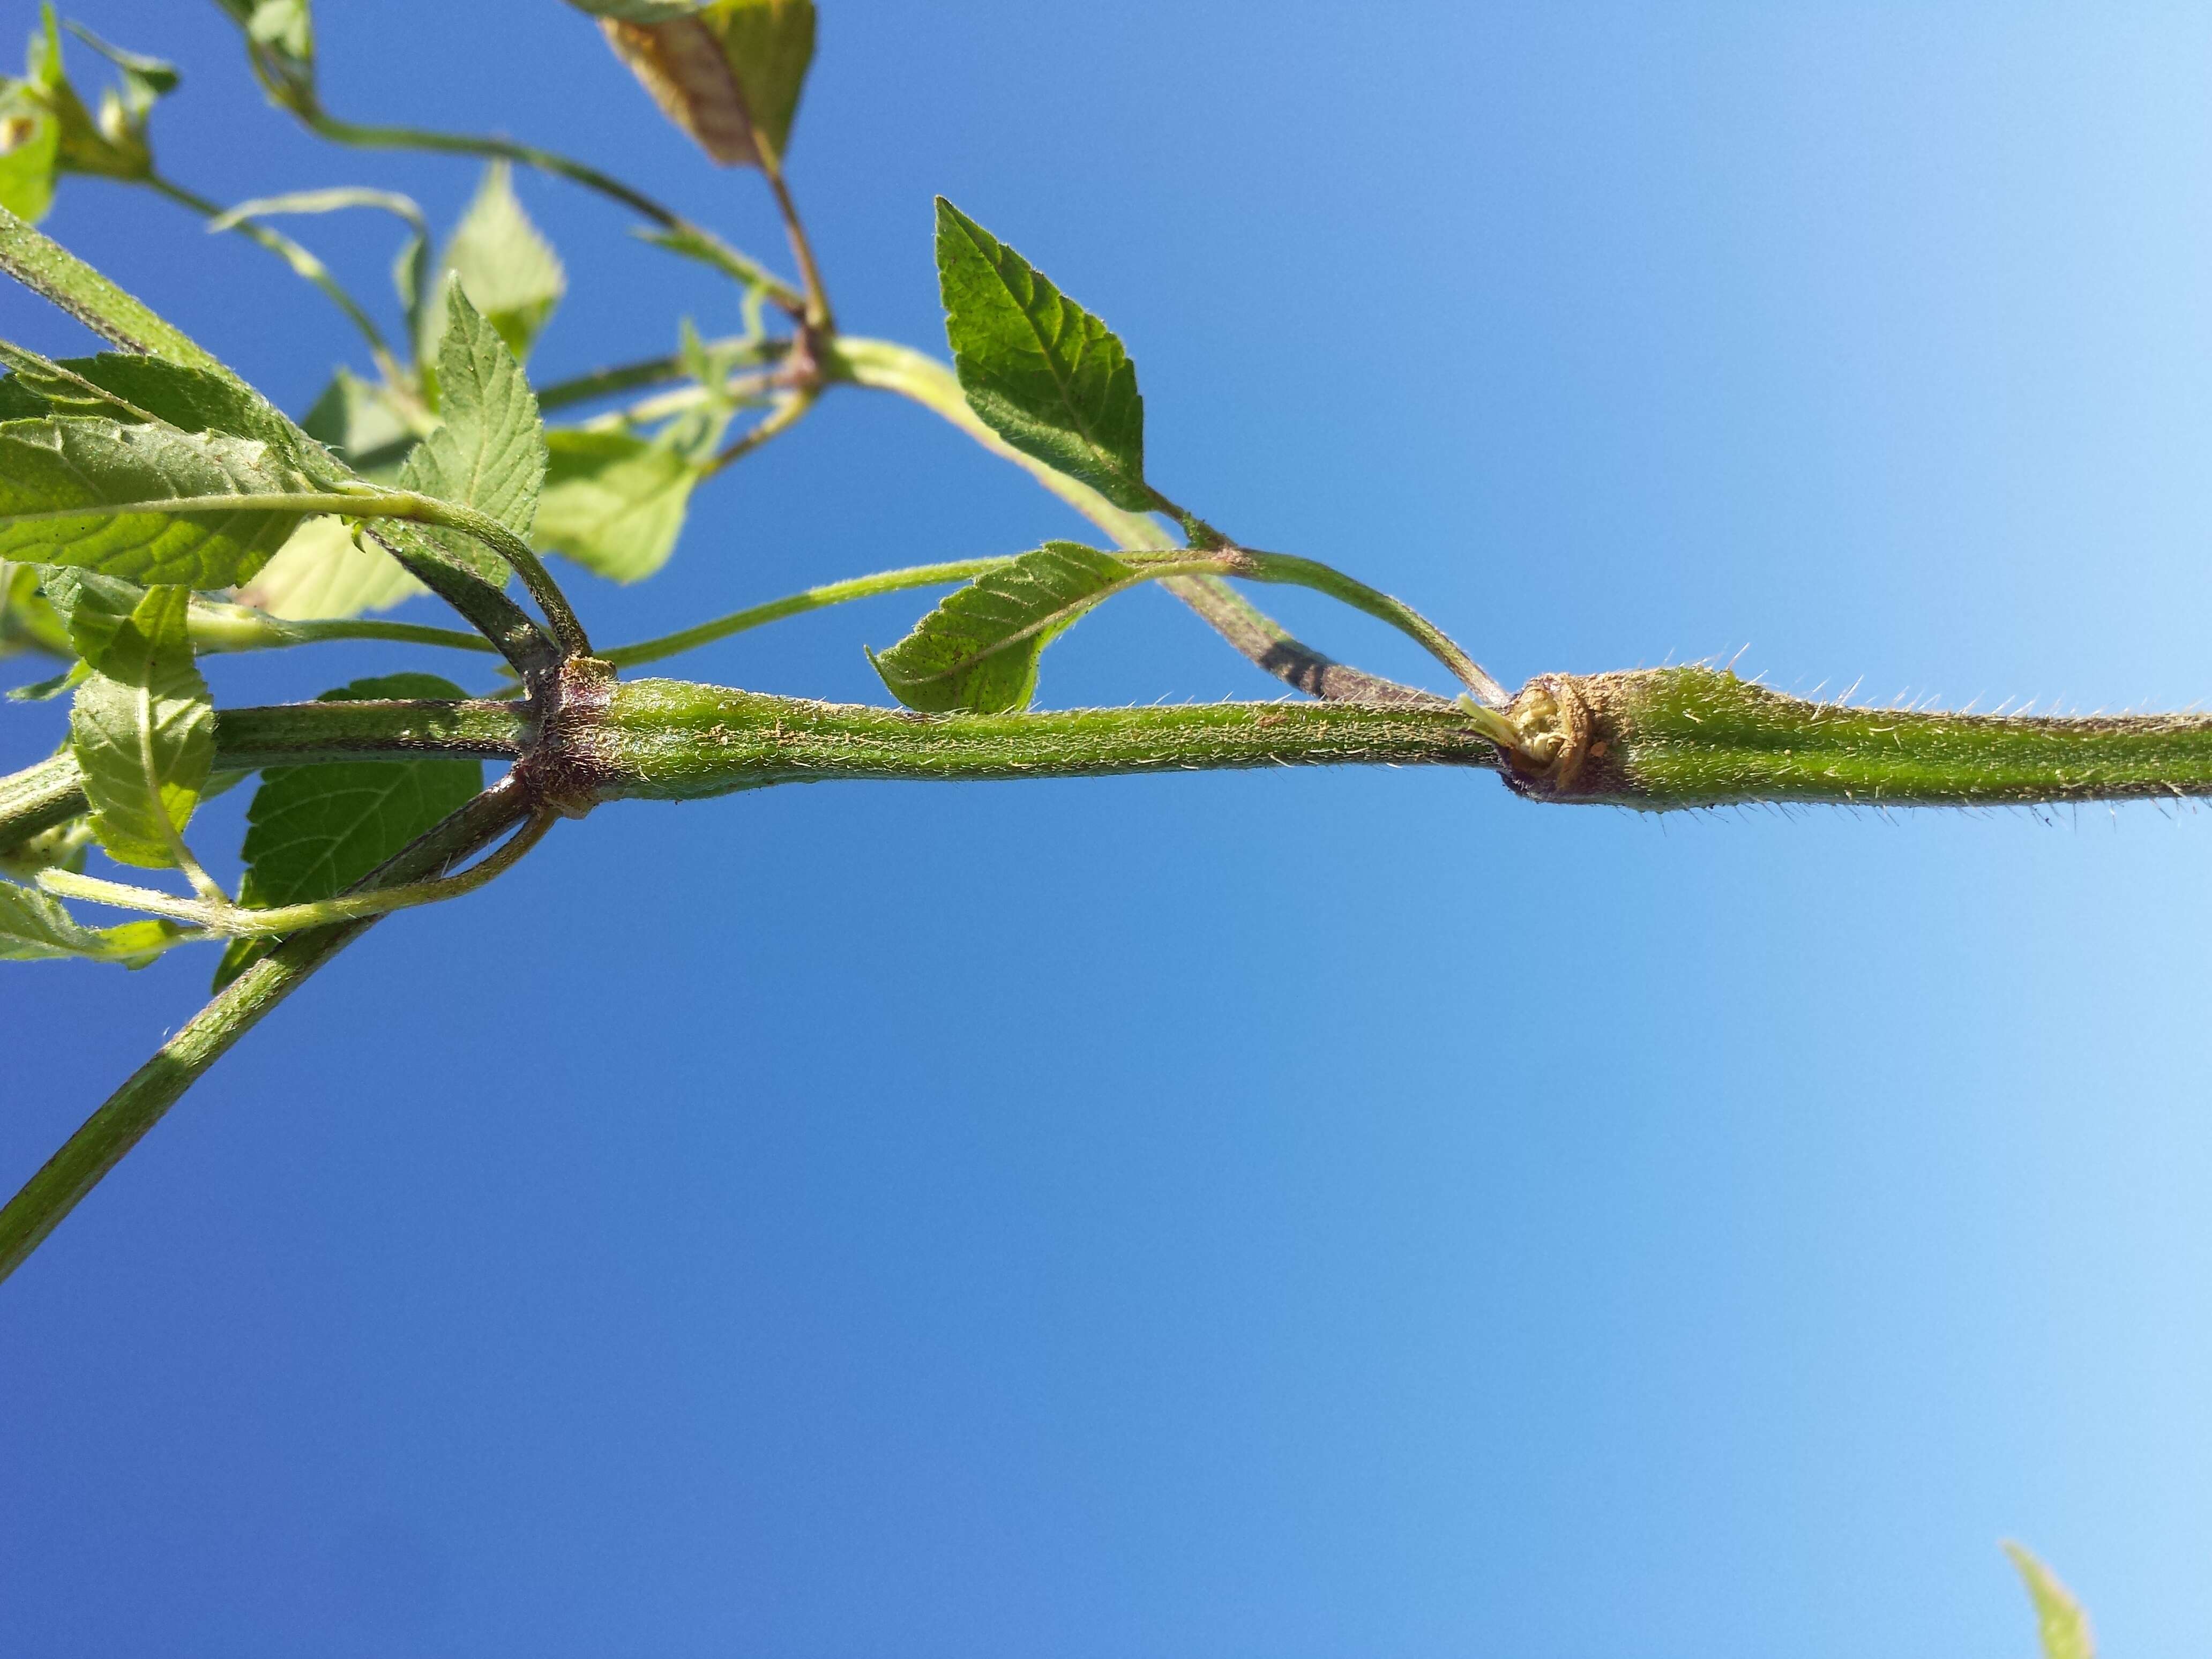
x,y
217,628
794,604
545,160
135,1108
779,420
219,916
819,319
35,800
302,263
674,740
46,267
651,371
1700,737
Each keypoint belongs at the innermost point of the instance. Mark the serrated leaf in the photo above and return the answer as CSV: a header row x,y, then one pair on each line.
x,y
86,491
142,730
978,651
2059,1619
1042,373
33,927
326,570
614,503
489,452
508,271
315,830
729,74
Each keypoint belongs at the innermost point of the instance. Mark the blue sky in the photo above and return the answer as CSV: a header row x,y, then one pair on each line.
x,y
1274,1214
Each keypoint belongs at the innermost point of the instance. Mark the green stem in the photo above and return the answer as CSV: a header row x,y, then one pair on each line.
x,y
217,628
1310,573
794,604
135,1108
780,419
651,372
545,160
219,916
303,264
1698,737
35,800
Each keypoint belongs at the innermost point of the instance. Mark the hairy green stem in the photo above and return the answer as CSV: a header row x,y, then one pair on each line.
x,y
135,1108
674,740
1700,737
654,370
35,800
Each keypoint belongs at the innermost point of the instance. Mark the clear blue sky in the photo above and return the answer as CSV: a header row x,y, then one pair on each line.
x,y
1314,1214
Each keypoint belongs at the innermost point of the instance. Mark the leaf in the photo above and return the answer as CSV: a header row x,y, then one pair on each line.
x,y
132,388
978,651
614,503
92,492
33,927
508,271
640,11
62,847
2059,1619
489,454
1042,373
30,146
142,730
728,73
144,79
329,570
315,830
92,608
28,622
280,39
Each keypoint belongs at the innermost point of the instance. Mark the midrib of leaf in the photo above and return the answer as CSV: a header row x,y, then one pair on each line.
x,y
1064,381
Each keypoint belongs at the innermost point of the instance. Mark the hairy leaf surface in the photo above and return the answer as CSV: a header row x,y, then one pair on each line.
x,y
142,730
77,492
489,454
315,830
1042,373
978,651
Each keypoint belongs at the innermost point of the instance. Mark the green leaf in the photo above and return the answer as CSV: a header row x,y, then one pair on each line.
x,y
729,73
34,928
132,388
142,730
615,502
315,830
329,570
2059,1619
280,39
92,608
978,651
28,622
94,492
489,454
1042,373
30,146
144,79
508,271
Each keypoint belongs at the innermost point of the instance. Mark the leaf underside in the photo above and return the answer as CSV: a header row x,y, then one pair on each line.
x,y
614,503
977,652
315,830
142,730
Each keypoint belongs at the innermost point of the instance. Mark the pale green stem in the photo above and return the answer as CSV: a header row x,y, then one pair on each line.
x,y
546,160
738,388
648,372
794,604
217,627
779,420
303,264
216,914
